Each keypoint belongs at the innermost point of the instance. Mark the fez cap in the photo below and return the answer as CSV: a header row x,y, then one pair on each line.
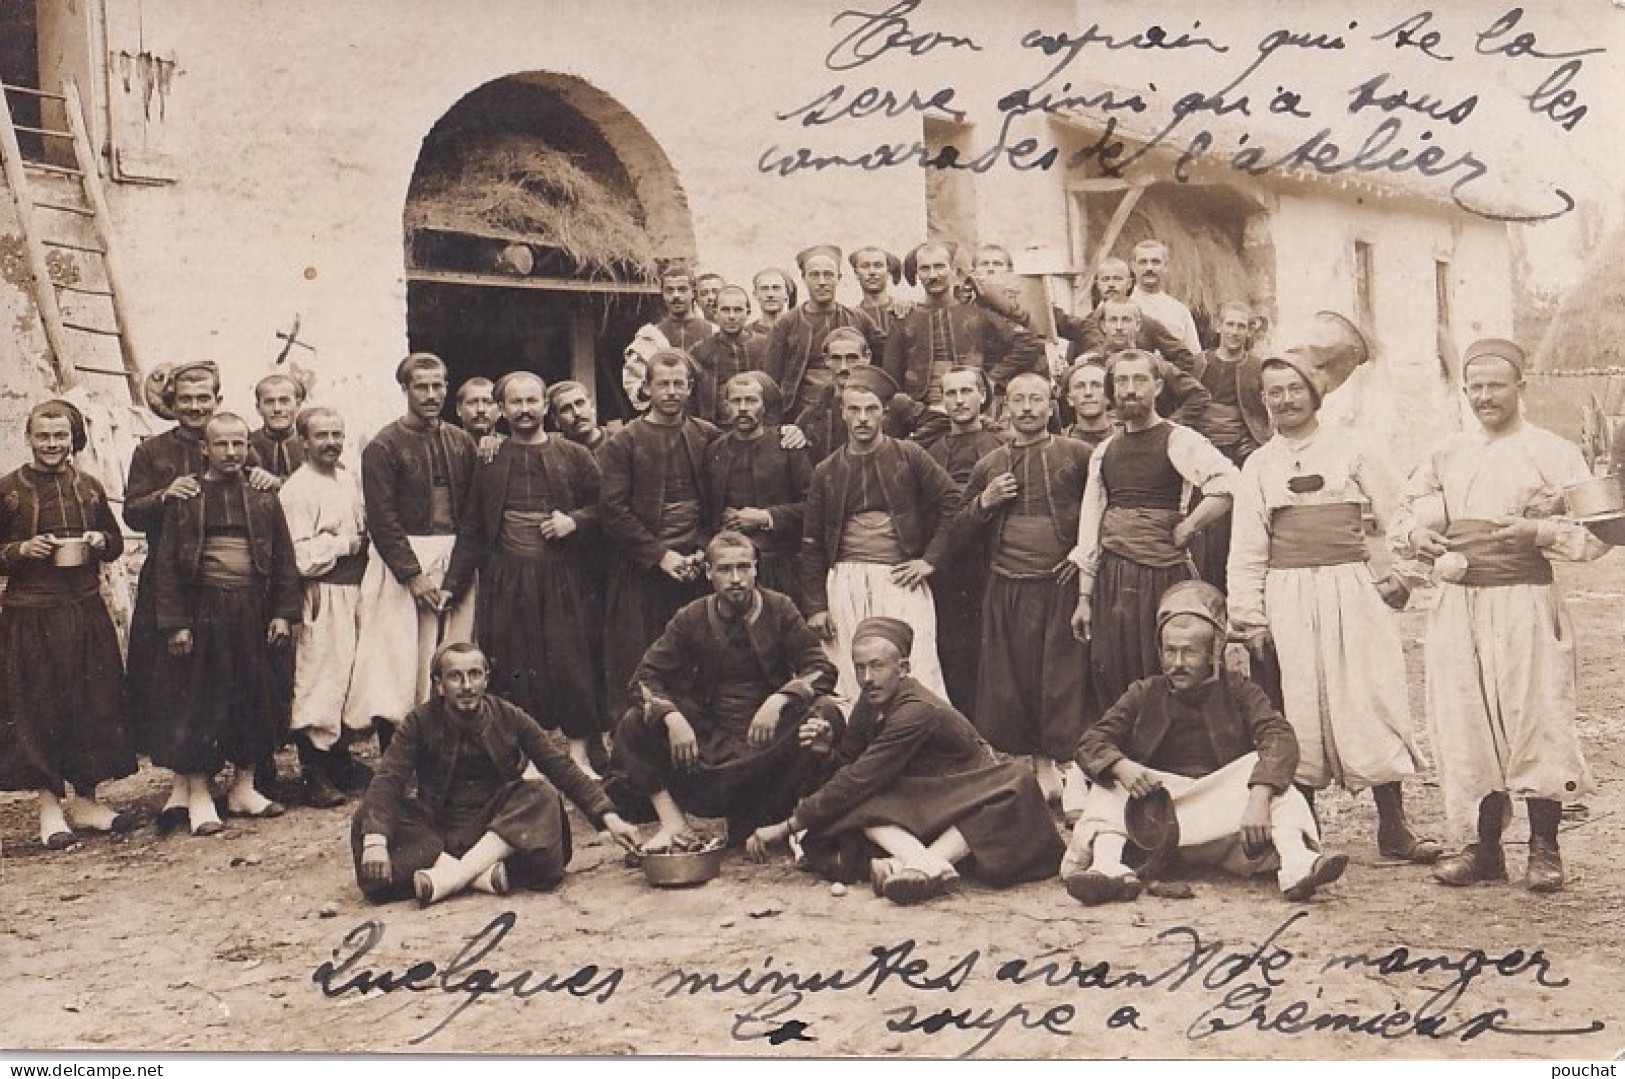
x,y
876,381
1497,347
158,390
76,420
829,251
154,390
894,630
1297,361
416,361
1195,598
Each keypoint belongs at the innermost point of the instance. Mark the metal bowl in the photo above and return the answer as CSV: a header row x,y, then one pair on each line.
x,y
682,870
1611,529
1595,497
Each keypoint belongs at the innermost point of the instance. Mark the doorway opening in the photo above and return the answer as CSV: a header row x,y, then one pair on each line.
x,y
538,215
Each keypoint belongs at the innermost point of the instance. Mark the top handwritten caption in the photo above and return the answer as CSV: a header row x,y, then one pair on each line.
x,y
1403,138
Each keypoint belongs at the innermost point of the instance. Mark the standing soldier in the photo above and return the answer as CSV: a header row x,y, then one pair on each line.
x,y
532,518
1300,583
327,522
1234,421
1025,497
942,332
650,508
756,486
1150,264
165,469
1133,530
875,530
1499,646
795,357
724,354
682,327
226,597
415,475
61,714
277,398
876,270
966,395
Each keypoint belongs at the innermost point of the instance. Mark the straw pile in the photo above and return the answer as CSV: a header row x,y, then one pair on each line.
x,y
1204,261
519,188
1588,332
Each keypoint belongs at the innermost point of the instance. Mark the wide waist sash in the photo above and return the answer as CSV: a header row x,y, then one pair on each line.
x,y
1142,534
1302,537
1495,563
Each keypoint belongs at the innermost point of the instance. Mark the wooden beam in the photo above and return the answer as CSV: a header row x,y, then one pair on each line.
x,y
544,284
583,350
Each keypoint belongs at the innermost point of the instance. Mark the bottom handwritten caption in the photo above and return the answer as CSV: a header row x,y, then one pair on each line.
x,y
1266,987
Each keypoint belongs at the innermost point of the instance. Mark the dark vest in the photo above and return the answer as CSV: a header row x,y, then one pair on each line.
x,y
1137,472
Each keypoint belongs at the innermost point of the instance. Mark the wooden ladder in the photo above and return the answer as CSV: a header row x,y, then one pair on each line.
x,y
101,313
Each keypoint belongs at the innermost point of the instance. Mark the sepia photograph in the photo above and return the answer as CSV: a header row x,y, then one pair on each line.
x,y
850,529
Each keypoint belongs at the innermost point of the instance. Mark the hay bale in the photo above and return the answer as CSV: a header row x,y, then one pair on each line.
x,y
1588,331
1205,268
520,188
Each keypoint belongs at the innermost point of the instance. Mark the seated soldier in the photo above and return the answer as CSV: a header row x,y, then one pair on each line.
x,y
480,815
1211,741
721,697
917,782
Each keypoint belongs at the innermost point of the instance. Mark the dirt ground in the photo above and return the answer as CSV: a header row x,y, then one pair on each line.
x,y
180,944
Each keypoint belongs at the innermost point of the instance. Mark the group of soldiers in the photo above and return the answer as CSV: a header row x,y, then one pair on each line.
x,y
889,584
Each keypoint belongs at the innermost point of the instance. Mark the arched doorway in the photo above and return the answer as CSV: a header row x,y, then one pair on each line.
x,y
538,212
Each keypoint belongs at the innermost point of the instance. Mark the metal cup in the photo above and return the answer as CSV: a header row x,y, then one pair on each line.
x,y
71,551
